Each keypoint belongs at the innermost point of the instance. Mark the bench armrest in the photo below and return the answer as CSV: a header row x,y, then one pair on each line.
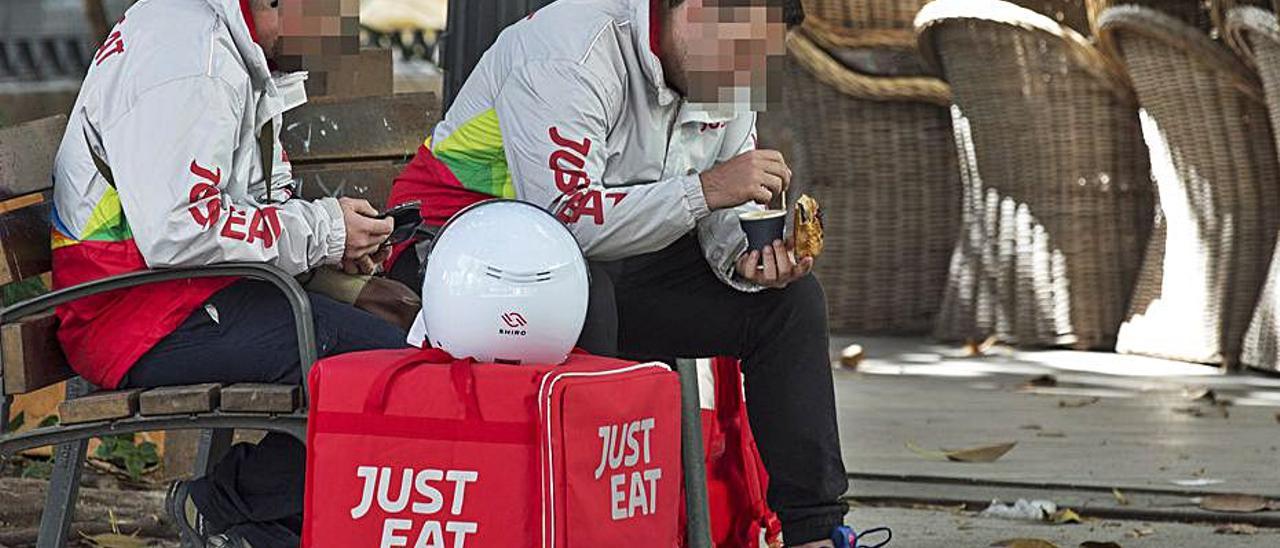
x,y
299,303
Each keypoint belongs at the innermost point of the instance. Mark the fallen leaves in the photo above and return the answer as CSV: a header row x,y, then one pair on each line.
x,y
1140,532
1235,503
1096,544
1024,543
1121,499
1064,516
1042,381
114,539
974,348
1236,529
1199,393
987,453
1074,404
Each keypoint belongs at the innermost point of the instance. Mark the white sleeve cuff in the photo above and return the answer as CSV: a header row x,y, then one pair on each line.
x,y
336,239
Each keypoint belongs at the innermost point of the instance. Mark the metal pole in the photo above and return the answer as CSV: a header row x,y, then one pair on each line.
x,y
695,467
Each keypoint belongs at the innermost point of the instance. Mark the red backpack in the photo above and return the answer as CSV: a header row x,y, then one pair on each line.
x,y
736,479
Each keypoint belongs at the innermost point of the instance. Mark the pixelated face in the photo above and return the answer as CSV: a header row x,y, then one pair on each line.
x,y
730,47
317,35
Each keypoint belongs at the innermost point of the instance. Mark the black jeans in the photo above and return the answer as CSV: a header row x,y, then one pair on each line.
x,y
256,491
670,304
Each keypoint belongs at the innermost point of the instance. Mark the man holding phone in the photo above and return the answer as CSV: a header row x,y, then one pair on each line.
x,y
172,158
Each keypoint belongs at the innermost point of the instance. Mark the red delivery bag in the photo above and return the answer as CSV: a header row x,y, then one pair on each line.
x,y
415,448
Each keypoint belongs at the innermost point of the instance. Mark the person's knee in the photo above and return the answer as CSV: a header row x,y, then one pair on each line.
x,y
803,305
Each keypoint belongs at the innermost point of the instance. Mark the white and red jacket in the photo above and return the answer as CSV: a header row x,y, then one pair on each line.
x,y
173,103
570,110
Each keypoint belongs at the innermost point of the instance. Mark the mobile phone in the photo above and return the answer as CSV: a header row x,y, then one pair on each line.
x,y
405,217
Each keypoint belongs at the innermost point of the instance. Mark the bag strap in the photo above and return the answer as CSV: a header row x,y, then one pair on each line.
x,y
728,390
461,372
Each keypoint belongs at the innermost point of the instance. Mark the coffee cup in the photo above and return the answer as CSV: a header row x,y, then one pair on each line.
x,y
763,227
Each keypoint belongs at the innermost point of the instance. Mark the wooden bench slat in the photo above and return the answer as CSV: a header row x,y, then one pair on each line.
x,y
24,237
115,404
367,128
260,398
26,155
368,180
32,357
179,400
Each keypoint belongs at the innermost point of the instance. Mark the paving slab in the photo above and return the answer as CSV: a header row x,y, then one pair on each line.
x,y
940,528
1109,420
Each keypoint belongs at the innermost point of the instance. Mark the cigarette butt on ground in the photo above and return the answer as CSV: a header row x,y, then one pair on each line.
x,y
851,356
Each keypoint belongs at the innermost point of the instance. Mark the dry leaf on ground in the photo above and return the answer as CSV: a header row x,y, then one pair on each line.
x,y
1233,503
1031,427
1120,498
974,348
1051,434
1192,410
1199,393
1277,417
1024,543
1236,529
1072,404
1096,544
1065,515
1042,381
114,540
954,509
988,453
1140,532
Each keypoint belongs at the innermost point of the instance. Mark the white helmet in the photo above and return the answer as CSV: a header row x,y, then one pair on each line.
x,y
505,282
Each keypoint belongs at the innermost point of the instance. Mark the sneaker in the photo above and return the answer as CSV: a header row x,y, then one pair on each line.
x,y
846,537
227,540
187,518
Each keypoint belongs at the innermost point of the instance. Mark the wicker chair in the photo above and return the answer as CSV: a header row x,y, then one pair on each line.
x,y
1209,16
1255,34
1214,163
889,23
879,157
1058,203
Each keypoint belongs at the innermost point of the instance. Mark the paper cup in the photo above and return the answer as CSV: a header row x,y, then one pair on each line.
x,y
763,227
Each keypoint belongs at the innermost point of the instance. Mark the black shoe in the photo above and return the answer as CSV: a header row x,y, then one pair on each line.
x,y
185,516
227,540
190,522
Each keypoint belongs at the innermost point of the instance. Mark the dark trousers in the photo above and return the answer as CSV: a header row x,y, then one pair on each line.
x,y
669,304
256,491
